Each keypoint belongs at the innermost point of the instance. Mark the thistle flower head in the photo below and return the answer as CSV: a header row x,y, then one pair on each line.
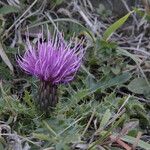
x,y
55,60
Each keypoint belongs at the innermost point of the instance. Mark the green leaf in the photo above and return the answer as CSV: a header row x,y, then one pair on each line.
x,y
139,86
8,9
27,99
5,58
116,70
115,26
128,54
118,80
105,118
49,128
132,140
58,2
80,94
41,136
1,146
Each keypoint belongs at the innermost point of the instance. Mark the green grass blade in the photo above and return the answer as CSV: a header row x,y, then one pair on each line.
x,y
115,26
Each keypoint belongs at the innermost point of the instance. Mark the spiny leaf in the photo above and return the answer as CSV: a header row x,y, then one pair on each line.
x,y
118,80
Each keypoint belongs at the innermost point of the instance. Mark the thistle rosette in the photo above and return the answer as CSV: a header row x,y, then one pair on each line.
x,y
54,62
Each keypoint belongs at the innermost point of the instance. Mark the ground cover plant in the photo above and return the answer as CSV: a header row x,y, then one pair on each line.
x,y
104,95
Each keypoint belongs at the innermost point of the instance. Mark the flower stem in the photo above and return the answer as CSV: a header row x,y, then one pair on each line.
x,y
48,97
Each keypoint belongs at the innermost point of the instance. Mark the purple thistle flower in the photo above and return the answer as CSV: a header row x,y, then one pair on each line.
x,y
53,62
